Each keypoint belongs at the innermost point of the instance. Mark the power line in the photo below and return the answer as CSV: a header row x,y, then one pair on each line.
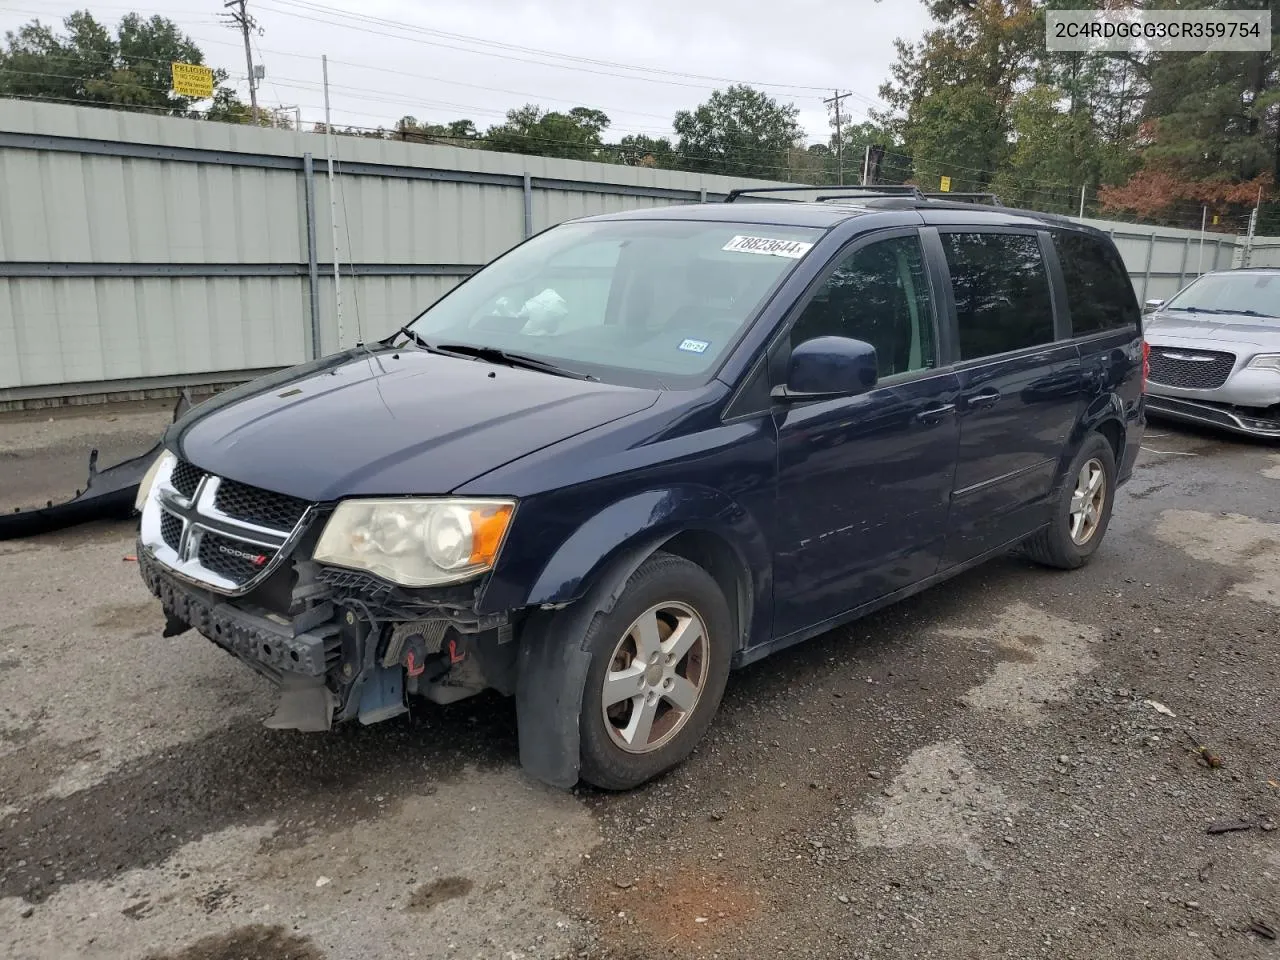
x,y
526,95
506,49
361,22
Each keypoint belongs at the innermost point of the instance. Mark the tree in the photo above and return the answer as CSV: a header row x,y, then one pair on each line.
x,y
575,135
1210,131
86,64
637,150
950,95
1168,198
454,133
739,131
1055,151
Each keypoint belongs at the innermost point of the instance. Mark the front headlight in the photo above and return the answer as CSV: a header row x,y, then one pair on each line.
x,y
415,542
1266,361
163,462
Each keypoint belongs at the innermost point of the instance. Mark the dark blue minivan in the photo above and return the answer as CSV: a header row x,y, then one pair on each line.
x,y
641,449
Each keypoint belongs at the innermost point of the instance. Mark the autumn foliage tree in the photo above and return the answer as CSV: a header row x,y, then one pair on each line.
x,y
1167,196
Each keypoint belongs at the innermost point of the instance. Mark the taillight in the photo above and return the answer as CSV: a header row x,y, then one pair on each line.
x,y
1146,364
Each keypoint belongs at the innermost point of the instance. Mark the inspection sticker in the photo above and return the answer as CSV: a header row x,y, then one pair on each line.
x,y
770,247
694,346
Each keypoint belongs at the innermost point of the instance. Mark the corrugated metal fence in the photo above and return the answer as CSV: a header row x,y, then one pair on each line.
x,y
139,252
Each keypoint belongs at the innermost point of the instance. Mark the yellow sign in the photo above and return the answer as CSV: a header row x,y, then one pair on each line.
x,y
1215,219
946,185
192,80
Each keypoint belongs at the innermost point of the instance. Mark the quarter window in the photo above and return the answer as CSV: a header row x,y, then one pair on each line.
x,y
1001,290
878,294
1099,292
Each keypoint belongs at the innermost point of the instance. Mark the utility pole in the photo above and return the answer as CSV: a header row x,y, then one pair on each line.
x,y
240,17
333,201
835,100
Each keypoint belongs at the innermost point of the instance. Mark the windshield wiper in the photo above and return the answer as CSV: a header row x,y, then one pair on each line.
x,y
494,355
416,338
1235,313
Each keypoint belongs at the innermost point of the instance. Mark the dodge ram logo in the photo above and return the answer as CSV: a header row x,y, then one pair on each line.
x,y
257,559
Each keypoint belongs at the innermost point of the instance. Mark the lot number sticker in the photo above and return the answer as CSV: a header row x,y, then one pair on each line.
x,y
769,247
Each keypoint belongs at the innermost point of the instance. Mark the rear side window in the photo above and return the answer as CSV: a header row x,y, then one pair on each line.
x,y
1099,292
1002,292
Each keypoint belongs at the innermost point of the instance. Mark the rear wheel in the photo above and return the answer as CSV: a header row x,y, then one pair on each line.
x,y
1083,509
659,664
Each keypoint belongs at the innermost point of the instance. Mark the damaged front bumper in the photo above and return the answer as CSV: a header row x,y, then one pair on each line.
x,y
1248,421
356,649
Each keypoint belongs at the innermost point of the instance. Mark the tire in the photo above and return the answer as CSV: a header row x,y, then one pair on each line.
x,y
666,594
1055,545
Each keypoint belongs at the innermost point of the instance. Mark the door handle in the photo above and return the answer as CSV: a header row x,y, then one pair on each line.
x,y
982,399
935,414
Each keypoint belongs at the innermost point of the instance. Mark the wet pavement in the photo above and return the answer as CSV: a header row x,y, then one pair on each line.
x,y
1005,765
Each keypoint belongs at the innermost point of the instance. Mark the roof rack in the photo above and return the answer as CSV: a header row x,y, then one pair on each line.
x,y
842,193
987,198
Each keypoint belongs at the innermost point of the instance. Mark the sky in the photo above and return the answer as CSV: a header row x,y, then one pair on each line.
x,y
439,60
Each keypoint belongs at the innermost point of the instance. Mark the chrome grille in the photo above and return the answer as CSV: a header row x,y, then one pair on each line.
x,y
171,529
186,476
259,506
220,533
1190,369
234,559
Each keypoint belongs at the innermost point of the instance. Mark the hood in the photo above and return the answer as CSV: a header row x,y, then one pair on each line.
x,y
1223,328
394,423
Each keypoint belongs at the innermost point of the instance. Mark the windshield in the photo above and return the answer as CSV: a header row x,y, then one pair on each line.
x,y
1255,294
650,301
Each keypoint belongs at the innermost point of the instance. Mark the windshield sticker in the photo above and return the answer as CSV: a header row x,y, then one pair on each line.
x,y
769,247
694,346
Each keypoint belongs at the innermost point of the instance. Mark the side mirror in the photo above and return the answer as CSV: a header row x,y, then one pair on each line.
x,y
829,367
1151,306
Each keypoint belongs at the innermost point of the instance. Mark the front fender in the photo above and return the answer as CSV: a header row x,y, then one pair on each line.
x,y
593,565
645,519
634,527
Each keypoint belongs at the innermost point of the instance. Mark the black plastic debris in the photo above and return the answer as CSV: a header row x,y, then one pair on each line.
x,y
108,495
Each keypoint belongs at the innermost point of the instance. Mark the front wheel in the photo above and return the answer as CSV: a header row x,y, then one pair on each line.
x,y
659,664
1083,509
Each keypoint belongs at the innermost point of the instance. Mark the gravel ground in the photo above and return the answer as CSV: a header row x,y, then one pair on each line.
x,y
1003,766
